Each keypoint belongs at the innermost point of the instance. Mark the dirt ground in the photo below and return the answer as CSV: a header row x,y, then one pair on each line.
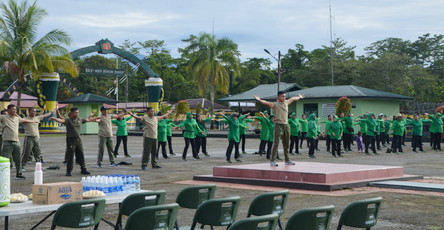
x,y
400,210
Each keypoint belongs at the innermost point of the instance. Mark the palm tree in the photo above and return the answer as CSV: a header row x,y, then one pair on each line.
x,y
21,53
211,62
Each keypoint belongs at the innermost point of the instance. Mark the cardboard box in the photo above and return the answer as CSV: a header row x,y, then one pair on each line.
x,y
56,193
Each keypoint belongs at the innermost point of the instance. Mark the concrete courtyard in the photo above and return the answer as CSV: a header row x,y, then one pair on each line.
x,y
401,209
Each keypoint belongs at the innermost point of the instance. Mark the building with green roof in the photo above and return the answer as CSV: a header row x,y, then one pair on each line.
x,y
263,91
321,100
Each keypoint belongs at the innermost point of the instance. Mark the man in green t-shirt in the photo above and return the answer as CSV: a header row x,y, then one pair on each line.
x,y
281,129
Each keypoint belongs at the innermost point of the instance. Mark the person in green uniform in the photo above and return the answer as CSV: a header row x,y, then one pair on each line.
x,y
397,130
201,137
281,129
379,123
336,132
312,135
437,130
170,137
382,133
319,134
371,133
121,134
304,129
264,135
189,134
31,145
162,127
233,135
243,130
293,121
363,129
74,144
417,127
348,130
150,136
387,124
327,132
270,123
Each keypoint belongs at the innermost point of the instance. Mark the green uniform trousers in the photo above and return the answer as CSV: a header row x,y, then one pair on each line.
x,y
12,149
74,147
149,149
31,147
108,141
281,131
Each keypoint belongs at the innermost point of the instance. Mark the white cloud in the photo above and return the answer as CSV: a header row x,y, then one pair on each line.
x,y
253,24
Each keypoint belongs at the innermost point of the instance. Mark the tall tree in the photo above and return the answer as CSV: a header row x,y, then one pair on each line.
x,y
22,53
211,63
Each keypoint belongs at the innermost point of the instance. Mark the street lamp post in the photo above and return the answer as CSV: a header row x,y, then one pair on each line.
x,y
279,66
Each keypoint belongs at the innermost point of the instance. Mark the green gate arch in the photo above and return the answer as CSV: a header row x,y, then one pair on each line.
x,y
104,46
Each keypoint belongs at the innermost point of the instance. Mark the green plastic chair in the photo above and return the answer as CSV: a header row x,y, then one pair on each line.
x,y
217,212
139,200
159,217
361,214
193,196
269,203
266,222
79,214
311,219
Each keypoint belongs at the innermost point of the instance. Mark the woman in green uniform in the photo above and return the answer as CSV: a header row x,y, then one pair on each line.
x,y
304,129
243,130
312,135
371,132
201,138
294,124
122,134
265,133
437,130
336,132
189,134
417,127
162,129
233,136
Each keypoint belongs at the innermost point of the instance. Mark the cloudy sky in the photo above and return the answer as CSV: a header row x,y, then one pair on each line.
x,y
252,24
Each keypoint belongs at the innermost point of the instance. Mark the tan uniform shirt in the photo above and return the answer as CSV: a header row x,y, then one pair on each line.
x,y
150,126
11,127
32,129
280,110
105,126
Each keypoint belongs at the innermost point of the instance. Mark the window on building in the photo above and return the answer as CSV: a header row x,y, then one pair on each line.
x,y
311,108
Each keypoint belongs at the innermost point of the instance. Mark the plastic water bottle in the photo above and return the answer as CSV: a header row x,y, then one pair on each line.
x,y
125,184
132,184
136,183
84,184
120,185
38,173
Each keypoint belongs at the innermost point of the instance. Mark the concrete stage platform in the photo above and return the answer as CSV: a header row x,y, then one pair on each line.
x,y
307,175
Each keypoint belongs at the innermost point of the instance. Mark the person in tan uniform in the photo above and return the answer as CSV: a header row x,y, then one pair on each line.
x,y
31,144
105,136
149,122
11,142
281,128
